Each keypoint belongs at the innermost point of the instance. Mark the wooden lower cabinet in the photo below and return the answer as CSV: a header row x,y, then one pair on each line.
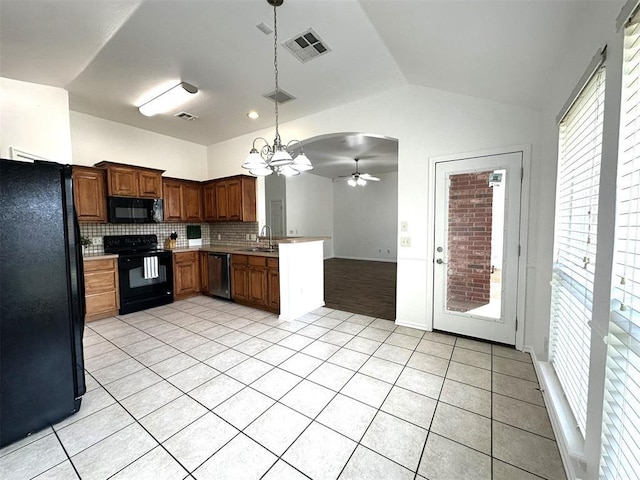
x,y
239,278
255,281
204,272
273,284
186,274
102,296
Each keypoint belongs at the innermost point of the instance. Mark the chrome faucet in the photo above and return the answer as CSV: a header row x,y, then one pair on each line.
x,y
270,238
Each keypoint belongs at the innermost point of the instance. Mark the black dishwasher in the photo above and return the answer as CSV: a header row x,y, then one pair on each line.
x,y
220,274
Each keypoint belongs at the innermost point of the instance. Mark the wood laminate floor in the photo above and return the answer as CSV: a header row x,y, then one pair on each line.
x,y
360,286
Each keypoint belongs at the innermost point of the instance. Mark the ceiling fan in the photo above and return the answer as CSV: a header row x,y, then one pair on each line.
x,y
357,178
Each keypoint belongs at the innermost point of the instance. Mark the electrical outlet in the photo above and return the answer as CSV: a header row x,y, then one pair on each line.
x,y
253,236
248,236
96,241
405,241
219,237
404,226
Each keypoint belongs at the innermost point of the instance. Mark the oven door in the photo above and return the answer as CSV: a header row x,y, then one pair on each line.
x,y
137,292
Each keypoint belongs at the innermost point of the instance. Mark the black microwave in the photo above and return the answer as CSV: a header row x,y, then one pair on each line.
x,y
134,210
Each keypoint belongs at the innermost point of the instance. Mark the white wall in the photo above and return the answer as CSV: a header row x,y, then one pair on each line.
x,y
95,139
35,119
427,123
275,188
310,209
365,219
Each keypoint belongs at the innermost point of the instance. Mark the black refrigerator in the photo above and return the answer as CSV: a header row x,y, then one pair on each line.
x,y
41,298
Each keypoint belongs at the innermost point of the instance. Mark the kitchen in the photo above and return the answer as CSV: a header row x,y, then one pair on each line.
x,y
430,120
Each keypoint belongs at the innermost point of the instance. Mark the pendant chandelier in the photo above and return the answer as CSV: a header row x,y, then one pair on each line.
x,y
276,158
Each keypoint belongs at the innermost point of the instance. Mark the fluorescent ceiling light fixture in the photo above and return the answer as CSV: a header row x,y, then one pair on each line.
x,y
253,114
168,100
278,158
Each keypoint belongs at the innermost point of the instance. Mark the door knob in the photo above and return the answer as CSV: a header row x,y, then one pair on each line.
x,y
439,261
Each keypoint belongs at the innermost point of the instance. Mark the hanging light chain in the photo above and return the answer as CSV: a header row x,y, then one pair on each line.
x,y
275,72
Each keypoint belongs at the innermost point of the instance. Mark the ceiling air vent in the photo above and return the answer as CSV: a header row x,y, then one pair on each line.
x,y
307,46
283,96
186,116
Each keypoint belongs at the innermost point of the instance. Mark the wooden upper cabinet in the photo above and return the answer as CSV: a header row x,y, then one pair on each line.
x,y
209,197
222,202
234,200
131,181
89,194
171,192
230,199
192,201
149,184
182,200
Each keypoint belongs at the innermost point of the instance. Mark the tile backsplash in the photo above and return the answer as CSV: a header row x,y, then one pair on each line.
x,y
227,233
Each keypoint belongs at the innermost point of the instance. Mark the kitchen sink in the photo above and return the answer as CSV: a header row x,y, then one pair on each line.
x,y
260,249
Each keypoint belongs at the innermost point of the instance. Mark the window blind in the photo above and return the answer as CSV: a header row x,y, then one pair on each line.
x,y
579,152
620,457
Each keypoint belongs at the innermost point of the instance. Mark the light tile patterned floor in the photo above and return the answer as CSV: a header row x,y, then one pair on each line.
x,y
206,389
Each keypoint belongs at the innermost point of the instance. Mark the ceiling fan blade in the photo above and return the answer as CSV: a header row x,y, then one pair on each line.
x,y
369,178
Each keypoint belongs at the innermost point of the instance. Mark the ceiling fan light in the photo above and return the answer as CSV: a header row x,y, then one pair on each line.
x,y
302,163
361,181
254,161
281,157
261,172
351,182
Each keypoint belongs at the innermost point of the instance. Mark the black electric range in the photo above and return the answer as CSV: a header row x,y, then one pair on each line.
x,y
145,271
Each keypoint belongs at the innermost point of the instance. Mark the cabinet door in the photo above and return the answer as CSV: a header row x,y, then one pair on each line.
x,y
210,209
222,203
172,201
89,194
149,184
240,282
258,285
273,287
192,202
234,199
186,273
204,272
122,182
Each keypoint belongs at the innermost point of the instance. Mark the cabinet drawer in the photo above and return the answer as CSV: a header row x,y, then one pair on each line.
x,y
257,261
101,302
186,257
273,262
100,281
239,259
96,265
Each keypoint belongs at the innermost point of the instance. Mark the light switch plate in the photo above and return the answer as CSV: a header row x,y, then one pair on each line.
x,y
404,226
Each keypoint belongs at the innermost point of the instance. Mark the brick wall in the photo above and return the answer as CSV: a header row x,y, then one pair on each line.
x,y
469,239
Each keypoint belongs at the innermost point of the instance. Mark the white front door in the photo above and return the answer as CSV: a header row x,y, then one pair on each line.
x,y
477,241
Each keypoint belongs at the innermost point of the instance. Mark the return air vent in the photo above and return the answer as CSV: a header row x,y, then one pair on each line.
x,y
307,46
186,116
283,96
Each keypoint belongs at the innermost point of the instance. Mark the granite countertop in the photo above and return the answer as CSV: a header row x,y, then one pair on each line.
x,y
224,248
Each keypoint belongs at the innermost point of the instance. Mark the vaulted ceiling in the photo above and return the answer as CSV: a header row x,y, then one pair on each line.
x,y
112,55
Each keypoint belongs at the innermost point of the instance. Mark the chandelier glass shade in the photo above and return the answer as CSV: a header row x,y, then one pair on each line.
x,y
277,158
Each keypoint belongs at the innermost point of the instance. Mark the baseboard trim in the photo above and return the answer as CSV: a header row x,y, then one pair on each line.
x,y
569,451
417,326
388,260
